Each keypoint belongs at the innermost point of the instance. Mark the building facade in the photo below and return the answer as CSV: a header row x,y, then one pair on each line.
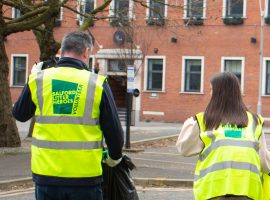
x,y
175,46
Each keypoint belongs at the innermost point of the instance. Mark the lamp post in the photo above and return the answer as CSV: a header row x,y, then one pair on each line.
x,y
259,105
130,90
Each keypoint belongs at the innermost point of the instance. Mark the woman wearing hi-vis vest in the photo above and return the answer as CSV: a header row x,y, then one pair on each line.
x,y
230,143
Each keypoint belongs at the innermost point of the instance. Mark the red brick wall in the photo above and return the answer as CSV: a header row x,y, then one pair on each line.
x,y
211,40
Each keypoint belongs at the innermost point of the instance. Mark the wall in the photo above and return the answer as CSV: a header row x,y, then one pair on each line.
x,y
213,40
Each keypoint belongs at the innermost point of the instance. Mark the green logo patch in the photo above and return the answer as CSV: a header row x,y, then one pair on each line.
x,y
65,97
233,133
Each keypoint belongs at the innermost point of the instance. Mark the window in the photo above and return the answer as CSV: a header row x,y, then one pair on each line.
x,y
59,18
16,13
119,65
267,11
235,8
121,11
236,66
157,9
60,15
192,74
194,8
85,6
268,7
267,75
121,8
155,73
156,12
19,69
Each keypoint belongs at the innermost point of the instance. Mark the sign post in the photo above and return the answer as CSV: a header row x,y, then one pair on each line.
x,y
130,89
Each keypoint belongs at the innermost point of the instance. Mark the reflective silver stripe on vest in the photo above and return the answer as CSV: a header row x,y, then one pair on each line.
x,y
228,142
39,82
228,165
66,145
211,135
254,127
85,120
90,98
66,120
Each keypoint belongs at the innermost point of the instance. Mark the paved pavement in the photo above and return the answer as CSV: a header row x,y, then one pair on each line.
x,y
142,130
144,194
159,163
155,164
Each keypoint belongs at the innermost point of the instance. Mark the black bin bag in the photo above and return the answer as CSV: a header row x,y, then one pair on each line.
x,y
117,181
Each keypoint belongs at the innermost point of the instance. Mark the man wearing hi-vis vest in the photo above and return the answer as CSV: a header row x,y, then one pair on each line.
x,y
73,109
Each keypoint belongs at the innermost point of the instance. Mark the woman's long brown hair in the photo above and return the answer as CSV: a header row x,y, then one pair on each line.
x,y
226,105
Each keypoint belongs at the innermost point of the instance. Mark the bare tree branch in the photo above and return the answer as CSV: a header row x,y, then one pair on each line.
x,y
17,4
31,23
89,19
29,15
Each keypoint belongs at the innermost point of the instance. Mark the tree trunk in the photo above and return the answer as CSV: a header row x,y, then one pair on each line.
x,y
9,136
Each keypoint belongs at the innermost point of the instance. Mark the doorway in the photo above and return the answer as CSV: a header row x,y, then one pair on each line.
x,y
118,85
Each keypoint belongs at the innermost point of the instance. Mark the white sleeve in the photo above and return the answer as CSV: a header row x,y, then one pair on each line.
x,y
189,142
264,155
37,67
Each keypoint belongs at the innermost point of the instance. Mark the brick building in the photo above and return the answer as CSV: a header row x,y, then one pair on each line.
x,y
175,52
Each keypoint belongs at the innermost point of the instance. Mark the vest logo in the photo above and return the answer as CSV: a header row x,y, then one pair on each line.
x,y
65,97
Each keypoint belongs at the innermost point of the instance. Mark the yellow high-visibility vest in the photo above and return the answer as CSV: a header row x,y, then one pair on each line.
x,y
229,162
67,139
266,186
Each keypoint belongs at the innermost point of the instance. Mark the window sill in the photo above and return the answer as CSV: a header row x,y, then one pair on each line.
x,y
266,95
243,17
191,93
154,91
233,20
185,18
118,22
156,21
194,21
147,18
16,86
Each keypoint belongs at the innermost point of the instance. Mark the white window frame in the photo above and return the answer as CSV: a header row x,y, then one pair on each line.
x,y
267,4
130,9
148,9
12,68
185,10
146,73
78,9
184,58
13,12
244,9
242,68
61,14
265,59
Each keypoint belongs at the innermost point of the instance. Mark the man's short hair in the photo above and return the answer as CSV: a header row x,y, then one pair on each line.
x,y
76,42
